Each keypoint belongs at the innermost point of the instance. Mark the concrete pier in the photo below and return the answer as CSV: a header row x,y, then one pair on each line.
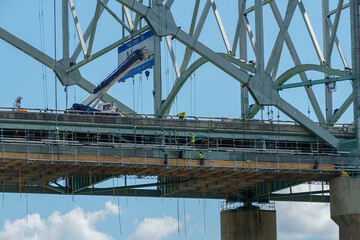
x,y
248,224
345,206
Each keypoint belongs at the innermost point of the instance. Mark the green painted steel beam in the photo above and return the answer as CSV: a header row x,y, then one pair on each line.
x,y
314,82
340,111
304,197
80,182
60,190
309,67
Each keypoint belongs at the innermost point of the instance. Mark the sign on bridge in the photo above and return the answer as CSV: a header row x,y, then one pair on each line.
x,y
145,40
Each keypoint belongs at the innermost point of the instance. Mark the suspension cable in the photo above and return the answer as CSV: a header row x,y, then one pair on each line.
x,y
55,78
42,48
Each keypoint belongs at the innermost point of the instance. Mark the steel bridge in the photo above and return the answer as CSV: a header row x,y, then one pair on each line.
x,y
246,159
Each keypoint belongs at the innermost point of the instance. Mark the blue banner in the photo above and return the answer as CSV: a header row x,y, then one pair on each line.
x,y
146,41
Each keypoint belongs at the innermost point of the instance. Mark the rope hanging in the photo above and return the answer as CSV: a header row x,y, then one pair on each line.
x,y
20,181
44,180
113,181
42,48
118,203
90,182
257,209
3,190
55,79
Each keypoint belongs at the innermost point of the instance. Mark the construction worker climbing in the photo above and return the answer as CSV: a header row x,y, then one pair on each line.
x,y
181,115
192,140
201,158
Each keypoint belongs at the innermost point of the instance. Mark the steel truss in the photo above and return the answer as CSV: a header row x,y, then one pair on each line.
x,y
260,78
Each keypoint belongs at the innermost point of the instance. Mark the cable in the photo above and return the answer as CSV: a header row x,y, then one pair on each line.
x,y
134,93
118,203
184,214
56,104
141,92
194,91
191,95
42,48
3,190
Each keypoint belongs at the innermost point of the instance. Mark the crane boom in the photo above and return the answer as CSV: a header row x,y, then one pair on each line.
x,y
134,59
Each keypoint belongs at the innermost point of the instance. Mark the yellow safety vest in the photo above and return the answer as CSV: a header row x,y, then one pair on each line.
x,y
201,156
344,174
182,114
192,138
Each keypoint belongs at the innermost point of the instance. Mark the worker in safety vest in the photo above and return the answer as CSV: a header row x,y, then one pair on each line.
x,y
182,115
192,139
201,158
344,174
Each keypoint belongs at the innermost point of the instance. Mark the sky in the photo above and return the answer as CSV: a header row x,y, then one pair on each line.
x,y
209,92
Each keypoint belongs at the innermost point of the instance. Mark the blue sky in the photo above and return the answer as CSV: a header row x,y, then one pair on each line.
x,y
209,92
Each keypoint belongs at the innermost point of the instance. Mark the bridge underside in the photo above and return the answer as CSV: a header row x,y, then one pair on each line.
x,y
59,173
73,153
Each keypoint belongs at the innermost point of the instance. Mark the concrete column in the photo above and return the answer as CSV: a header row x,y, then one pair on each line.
x,y
345,206
248,224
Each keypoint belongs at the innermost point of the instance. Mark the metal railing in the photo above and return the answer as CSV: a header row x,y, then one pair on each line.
x,y
203,118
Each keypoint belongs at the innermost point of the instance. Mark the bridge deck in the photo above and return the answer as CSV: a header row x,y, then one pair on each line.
x,y
36,155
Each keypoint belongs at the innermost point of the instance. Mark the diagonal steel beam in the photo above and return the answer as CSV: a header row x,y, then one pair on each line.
x,y
335,10
194,17
199,26
173,59
281,36
114,16
78,28
128,17
77,50
250,33
341,52
276,67
252,8
93,29
169,3
28,49
334,31
296,59
137,18
311,32
299,117
239,24
220,25
340,111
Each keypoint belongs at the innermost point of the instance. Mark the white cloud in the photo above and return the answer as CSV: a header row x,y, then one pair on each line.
x,y
155,228
75,224
300,221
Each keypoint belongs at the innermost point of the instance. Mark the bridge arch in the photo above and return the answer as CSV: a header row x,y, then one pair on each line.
x,y
309,67
179,82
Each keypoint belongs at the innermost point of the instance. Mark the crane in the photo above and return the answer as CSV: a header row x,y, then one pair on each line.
x,y
91,101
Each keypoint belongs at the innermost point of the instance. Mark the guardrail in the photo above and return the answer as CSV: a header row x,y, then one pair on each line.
x,y
143,115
